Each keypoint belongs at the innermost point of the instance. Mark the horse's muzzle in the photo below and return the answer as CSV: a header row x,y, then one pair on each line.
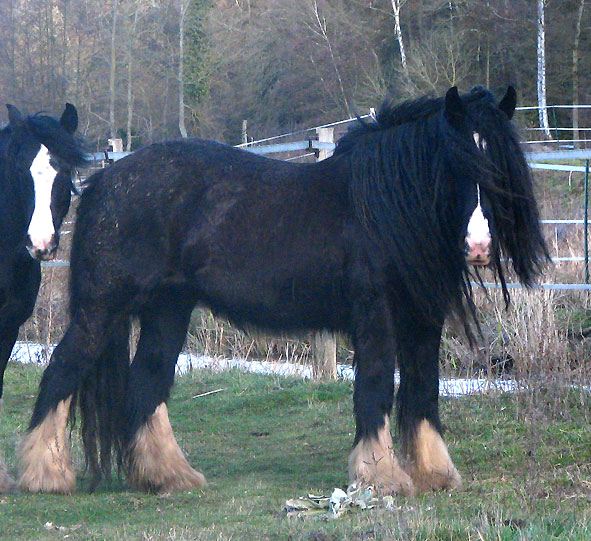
x,y
477,253
44,251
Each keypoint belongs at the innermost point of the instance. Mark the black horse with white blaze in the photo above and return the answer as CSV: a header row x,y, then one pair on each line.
x,y
377,242
37,157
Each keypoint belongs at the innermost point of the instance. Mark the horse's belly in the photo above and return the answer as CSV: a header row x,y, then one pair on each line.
x,y
269,298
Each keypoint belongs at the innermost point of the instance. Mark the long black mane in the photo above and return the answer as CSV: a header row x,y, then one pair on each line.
x,y
405,168
67,147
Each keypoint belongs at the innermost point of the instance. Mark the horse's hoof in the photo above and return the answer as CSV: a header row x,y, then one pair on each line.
x,y
178,481
64,483
156,462
431,467
372,462
44,471
45,464
448,479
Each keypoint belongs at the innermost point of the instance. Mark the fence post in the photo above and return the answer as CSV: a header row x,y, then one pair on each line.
x,y
116,144
244,135
324,344
556,131
586,231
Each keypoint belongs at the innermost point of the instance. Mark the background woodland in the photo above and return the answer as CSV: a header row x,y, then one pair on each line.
x,y
148,70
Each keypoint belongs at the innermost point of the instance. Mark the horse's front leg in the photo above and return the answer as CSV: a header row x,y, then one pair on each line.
x,y
372,461
155,462
18,303
7,340
45,463
428,460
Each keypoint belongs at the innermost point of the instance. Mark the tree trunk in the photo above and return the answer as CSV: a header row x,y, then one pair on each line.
x,y
323,32
78,75
542,107
396,5
576,74
113,72
183,11
64,45
487,63
130,58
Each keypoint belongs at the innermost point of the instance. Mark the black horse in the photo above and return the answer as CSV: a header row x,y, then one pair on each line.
x,y
37,157
377,242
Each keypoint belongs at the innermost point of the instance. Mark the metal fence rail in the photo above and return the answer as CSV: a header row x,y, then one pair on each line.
x,y
558,287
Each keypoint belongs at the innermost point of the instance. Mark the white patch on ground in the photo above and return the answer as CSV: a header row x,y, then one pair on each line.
x,y
28,352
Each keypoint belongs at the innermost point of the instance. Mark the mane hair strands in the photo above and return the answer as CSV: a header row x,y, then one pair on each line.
x,y
408,167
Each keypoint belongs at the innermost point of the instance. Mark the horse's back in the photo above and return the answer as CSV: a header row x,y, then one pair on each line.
x,y
238,229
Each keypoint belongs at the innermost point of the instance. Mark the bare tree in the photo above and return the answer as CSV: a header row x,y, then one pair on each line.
x,y
575,71
439,60
319,27
113,70
184,6
278,63
542,107
396,6
130,64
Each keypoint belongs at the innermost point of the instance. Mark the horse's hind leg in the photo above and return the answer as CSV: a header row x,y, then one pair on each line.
x,y
45,464
428,459
155,462
372,461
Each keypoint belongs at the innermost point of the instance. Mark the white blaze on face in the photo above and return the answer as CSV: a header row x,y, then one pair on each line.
x,y
41,228
478,234
478,230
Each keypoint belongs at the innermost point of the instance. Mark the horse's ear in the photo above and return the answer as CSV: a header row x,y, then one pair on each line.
x,y
455,111
15,117
69,119
509,102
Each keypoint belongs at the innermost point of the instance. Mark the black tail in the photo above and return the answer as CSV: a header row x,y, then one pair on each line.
x,y
102,397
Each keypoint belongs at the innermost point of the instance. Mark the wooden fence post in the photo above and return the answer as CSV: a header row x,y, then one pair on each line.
x,y
244,132
324,344
116,144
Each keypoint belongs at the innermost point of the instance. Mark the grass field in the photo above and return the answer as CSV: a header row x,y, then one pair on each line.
x,y
526,464
525,458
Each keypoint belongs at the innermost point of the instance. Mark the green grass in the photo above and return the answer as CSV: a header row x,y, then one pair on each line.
x,y
262,440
